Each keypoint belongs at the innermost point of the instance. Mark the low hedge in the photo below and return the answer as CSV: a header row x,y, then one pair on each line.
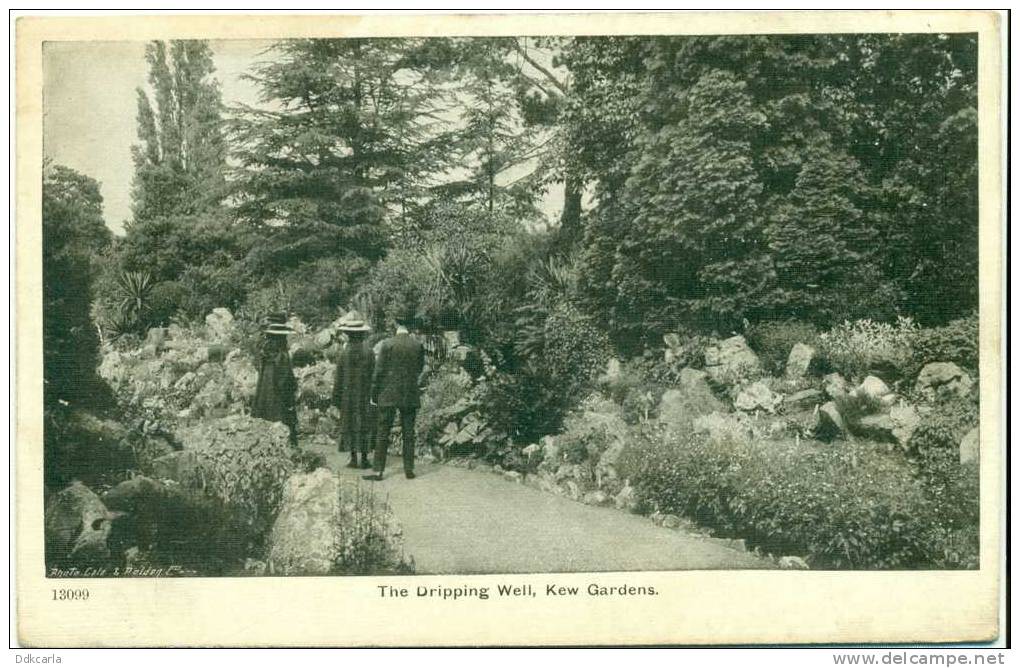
x,y
852,507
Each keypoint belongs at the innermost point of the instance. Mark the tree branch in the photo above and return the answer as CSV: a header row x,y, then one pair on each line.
x,y
538,66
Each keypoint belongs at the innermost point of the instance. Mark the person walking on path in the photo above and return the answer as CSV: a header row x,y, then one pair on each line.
x,y
351,387
275,394
398,371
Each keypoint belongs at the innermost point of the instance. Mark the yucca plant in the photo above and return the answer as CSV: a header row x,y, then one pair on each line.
x,y
135,288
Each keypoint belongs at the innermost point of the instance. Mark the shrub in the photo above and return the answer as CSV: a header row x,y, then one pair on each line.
x,y
445,399
368,539
956,342
858,348
774,340
847,508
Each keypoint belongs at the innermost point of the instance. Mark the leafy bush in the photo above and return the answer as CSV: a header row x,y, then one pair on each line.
x,y
848,508
367,539
858,348
944,427
956,342
773,341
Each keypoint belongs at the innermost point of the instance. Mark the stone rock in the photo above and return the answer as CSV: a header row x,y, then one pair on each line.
x,y
835,385
757,396
531,450
943,378
829,420
802,399
970,447
595,498
799,361
905,419
512,476
302,538
220,323
878,427
77,526
793,563
671,522
692,398
720,427
874,387
626,499
731,360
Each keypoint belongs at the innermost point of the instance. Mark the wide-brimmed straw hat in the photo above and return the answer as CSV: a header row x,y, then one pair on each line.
x,y
276,323
353,322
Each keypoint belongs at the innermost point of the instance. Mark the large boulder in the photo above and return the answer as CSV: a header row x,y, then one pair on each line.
x,y
905,419
835,385
692,397
301,542
799,361
873,387
77,526
942,379
829,421
970,447
220,324
731,360
757,396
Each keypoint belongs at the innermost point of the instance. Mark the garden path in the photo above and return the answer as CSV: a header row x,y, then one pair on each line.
x,y
464,521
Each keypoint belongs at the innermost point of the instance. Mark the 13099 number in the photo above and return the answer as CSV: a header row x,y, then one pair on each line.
x,y
70,594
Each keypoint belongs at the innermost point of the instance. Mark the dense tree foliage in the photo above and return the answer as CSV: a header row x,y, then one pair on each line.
x,y
74,234
815,159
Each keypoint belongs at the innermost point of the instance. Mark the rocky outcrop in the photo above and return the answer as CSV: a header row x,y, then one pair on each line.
x,y
693,397
302,539
940,379
731,360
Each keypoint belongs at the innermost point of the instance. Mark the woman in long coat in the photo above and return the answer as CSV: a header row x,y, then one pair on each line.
x,y
276,392
351,387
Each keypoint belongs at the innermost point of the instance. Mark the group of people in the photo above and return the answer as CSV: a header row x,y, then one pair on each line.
x,y
377,379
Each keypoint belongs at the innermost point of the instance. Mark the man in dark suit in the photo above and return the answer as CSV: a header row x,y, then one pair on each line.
x,y
399,366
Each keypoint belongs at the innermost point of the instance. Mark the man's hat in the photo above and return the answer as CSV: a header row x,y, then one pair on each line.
x,y
276,323
353,322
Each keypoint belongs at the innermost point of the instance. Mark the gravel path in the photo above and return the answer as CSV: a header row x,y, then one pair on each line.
x,y
464,521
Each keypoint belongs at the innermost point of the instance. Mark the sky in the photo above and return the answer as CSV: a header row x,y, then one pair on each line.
x,y
90,104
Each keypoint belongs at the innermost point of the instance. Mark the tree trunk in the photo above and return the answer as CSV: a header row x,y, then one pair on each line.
x,y
570,219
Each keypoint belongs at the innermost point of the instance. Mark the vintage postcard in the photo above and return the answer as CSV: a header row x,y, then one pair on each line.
x,y
586,329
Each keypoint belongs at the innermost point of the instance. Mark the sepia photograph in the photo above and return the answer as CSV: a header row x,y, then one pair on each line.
x,y
385,307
